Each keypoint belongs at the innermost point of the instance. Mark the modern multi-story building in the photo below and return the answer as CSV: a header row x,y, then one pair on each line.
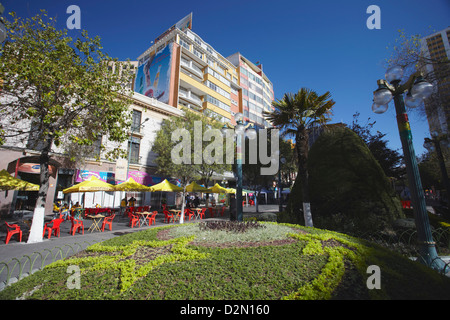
x,y
436,50
182,70
257,90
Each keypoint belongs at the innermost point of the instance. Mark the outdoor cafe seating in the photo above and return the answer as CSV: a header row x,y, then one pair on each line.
x,y
189,213
108,221
152,218
52,226
168,216
13,229
76,225
134,219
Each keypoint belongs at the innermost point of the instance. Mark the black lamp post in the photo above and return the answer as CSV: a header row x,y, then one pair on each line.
x,y
239,132
280,203
417,89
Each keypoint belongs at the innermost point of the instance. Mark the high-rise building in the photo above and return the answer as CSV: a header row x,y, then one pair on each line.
x,y
435,48
182,70
257,90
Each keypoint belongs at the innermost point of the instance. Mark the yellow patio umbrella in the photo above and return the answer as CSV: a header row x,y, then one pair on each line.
x,y
218,189
195,187
8,182
165,186
90,185
131,185
233,190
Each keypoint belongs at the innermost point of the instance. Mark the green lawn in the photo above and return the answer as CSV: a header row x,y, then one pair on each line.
x,y
270,262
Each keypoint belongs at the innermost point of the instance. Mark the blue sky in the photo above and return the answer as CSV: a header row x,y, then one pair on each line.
x,y
323,45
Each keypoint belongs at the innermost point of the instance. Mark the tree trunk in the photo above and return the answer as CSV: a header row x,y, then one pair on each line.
x,y
302,152
37,225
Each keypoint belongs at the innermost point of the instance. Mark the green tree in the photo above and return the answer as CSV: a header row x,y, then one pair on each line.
x,y
390,160
349,191
164,144
189,169
57,89
294,115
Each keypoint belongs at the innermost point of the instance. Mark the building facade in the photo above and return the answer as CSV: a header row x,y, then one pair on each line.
x,y
179,70
257,90
183,70
436,49
22,162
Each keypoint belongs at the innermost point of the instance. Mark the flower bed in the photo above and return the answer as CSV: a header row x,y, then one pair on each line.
x,y
269,261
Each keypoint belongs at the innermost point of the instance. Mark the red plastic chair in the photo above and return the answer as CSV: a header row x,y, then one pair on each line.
x,y
12,229
55,223
130,211
168,216
188,212
211,211
222,211
133,220
108,221
76,225
202,213
152,218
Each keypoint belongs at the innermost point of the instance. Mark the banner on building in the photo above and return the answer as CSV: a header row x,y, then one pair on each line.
x,y
183,24
121,169
110,177
34,168
154,74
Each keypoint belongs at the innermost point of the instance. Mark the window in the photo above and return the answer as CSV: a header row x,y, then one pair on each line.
x,y
218,103
135,144
197,53
217,89
96,146
218,76
136,122
184,44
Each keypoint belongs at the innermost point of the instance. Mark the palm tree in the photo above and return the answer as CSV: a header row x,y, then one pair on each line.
x,y
294,115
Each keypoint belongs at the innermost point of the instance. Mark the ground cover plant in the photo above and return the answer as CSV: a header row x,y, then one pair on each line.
x,y
255,261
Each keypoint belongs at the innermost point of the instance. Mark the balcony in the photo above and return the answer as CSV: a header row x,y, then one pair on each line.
x,y
190,97
192,67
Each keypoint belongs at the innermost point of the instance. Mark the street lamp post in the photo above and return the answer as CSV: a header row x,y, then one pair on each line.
x,y
240,131
280,204
417,89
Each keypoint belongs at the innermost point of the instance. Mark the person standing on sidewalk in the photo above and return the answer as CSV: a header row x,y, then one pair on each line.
x,y
233,215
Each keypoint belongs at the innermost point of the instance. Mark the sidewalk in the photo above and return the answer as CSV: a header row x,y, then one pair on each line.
x,y
120,226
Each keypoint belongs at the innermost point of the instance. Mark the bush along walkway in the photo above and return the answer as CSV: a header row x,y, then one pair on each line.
x,y
222,261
